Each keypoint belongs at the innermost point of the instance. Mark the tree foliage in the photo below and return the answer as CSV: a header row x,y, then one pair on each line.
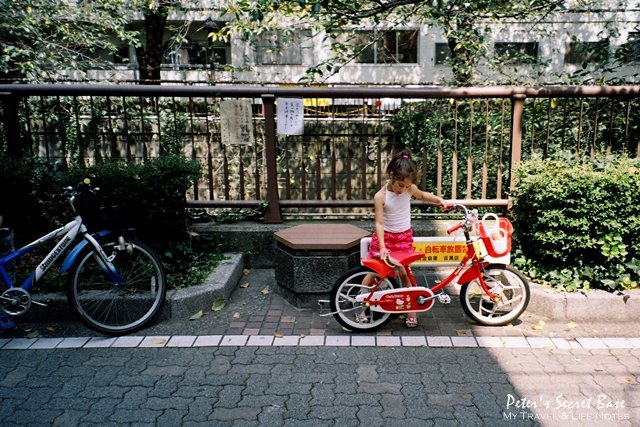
x,y
41,37
462,22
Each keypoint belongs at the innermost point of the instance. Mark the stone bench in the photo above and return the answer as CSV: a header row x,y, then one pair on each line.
x,y
309,258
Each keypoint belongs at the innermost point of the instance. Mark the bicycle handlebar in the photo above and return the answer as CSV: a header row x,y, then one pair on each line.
x,y
468,220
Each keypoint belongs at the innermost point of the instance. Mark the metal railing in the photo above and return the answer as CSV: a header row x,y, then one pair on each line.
x,y
468,140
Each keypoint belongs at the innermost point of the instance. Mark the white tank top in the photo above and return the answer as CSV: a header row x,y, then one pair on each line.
x,y
397,211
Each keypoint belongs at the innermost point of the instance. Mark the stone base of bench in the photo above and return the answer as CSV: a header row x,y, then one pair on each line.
x,y
304,277
309,258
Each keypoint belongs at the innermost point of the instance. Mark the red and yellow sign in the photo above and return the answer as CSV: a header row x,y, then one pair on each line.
x,y
441,252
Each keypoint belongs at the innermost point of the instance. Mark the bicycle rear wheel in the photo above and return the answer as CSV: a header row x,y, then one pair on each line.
x,y
112,308
354,315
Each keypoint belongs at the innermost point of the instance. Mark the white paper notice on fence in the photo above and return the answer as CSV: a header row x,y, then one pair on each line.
x,y
236,122
290,116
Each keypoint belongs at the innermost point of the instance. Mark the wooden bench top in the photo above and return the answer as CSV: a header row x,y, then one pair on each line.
x,y
321,236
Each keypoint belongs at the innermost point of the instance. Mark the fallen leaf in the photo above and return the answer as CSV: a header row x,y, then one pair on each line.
x,y
236,315
217,305
197,316
572,325
159,341
265,291
538,326
628,380
244,285
302,336
279,335
464,332
626,298
246,271
51,329
33,334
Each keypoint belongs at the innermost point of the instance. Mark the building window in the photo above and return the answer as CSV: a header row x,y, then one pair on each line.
x,y
121,56
443,53
629,51
388,47
200,53
517,53
281,48
579,52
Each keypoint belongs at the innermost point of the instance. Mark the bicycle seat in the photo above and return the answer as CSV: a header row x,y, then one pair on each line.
x,y
403,258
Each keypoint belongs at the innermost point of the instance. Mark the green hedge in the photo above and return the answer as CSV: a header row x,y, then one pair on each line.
x,y
577,222
154,191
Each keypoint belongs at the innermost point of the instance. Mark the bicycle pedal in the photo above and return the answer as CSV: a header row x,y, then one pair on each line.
x,y
444,298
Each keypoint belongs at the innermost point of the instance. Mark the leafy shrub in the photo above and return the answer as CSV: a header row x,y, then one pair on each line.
x,y
154,191
576,222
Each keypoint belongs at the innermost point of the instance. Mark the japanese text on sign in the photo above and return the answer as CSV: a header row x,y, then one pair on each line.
x,y
236,123
290,116
441,251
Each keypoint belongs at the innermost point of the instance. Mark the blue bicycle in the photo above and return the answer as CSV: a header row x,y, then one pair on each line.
x,y
115,284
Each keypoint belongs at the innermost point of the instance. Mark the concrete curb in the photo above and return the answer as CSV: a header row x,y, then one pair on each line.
x,y
220,284
595,305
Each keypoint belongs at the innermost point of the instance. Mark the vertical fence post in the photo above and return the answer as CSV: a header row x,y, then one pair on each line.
x,y
11,123
517,108
272,214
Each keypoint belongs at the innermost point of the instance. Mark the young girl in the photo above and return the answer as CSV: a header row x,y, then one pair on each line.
x,y
392,205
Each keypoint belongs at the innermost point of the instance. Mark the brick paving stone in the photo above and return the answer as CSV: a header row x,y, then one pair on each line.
x,y
46,343
260,340
464,342
388,341
338,340
233,340
207,341
540,342
363,340
440,341
414,341
491,342
286,340
100,342
617,342
155,341
311,340
181,341
127,342
515,342
19,344
73,342
591,343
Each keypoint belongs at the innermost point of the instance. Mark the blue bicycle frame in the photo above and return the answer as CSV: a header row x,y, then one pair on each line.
x,y
69,233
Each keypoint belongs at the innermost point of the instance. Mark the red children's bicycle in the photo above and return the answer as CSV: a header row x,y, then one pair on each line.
x,y
368,296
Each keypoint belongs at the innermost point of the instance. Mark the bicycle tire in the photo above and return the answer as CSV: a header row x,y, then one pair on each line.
x,y
107,307
503,280
344,308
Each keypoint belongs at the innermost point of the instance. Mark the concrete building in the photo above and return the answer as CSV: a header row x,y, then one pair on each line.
x,y
559,46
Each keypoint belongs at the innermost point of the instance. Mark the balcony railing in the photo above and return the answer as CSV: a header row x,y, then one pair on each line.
x,y
468,140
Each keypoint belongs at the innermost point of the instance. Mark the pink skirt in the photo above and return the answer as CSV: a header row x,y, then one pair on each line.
x,y
394,242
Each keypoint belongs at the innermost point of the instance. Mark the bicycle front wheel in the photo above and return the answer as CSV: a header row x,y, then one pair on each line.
x,y
117,308
512,289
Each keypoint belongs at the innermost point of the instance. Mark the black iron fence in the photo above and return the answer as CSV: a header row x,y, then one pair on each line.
x,y
468,140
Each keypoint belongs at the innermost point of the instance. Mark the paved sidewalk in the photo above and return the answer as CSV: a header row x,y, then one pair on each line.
x,y
255,308
262,362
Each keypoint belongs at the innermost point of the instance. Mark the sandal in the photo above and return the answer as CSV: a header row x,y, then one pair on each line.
x,y
362,318
411,322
